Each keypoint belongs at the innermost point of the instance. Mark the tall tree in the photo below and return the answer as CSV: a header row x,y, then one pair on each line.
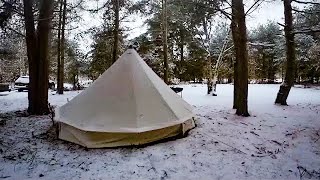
x,y
67,13
290,55
116,7
307,39
37,51
75,64
240,43
223,49
102,53
59,78
165,41
63,25
264,46
202,20
235,66
206,23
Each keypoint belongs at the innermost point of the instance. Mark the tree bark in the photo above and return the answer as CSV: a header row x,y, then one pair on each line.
x,y
216,69
31,41
116,30
37,50
209,58
181,53
235,86
181,46
235,65
165,41
63,24
209,78
59,81
241,57
43,30
290,55
230,73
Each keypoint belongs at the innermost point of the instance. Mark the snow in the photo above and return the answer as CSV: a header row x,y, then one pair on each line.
x,y
23,79
14,101
86,83
68,86
275,142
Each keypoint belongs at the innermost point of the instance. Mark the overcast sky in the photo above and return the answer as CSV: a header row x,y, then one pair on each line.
x,y
268,11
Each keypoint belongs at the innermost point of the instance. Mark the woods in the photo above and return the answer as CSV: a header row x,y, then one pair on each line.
x,y
182,43
159,89
61,45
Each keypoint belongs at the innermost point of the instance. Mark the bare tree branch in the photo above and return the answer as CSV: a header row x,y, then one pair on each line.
x,y
305,12
227,3
305,2
257,4
306,31
253,7
282,25
15,31
77,5
97,9
227,15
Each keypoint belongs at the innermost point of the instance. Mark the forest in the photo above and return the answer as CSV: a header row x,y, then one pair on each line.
x,y
194,41
159,89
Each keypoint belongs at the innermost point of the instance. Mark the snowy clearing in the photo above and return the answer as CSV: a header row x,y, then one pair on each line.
x,y
276,142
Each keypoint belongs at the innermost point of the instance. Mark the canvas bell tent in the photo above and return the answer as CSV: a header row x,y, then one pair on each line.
x,y
127,105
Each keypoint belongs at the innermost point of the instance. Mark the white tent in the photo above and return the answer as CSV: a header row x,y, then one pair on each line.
x,y
127,105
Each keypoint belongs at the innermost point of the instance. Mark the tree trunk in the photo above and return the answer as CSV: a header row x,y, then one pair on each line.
x,y
165,41
241,57
209,78
230,73
290,55
59,81
235,86
31,41
270,69
209,58
235,65
43,30
63,24
37,50
116,30
181,47
181,54
216,69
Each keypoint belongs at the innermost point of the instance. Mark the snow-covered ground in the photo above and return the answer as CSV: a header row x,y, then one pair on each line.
x,y
275,142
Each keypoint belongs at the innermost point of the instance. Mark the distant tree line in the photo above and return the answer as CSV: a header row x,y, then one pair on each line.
x,y
182,43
